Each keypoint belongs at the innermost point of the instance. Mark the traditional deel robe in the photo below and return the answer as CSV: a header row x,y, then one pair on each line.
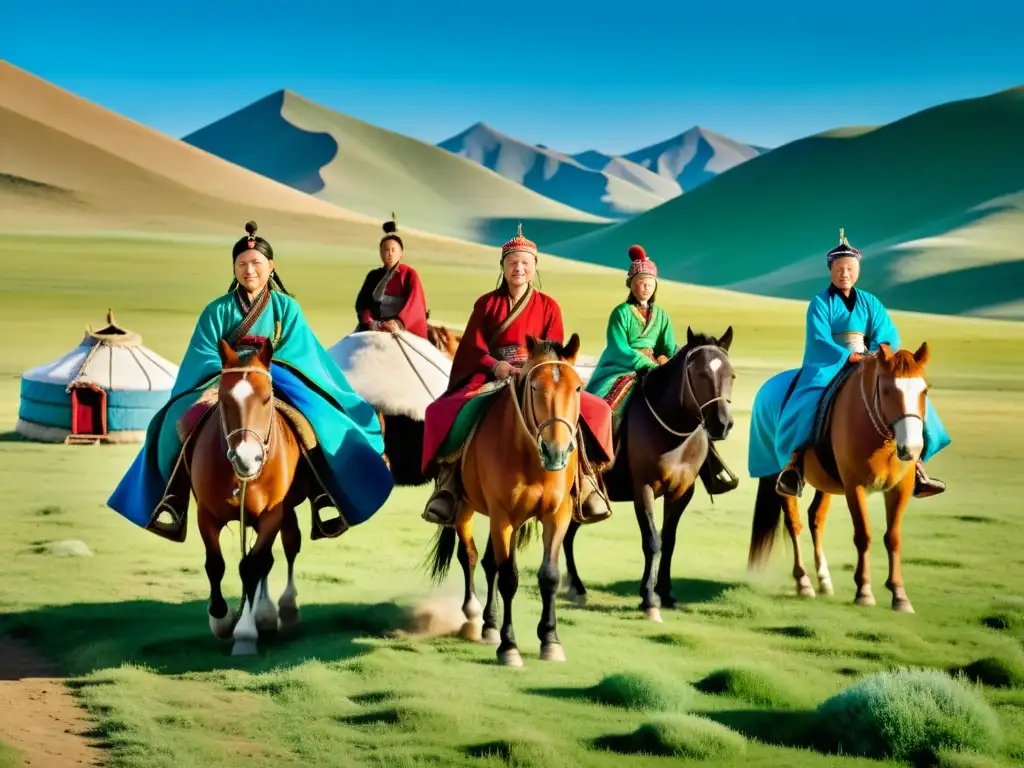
x,y
630,331
395,294
836,326
304,375
497,332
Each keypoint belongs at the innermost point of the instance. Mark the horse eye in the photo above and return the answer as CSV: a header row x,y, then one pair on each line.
x,y
580,388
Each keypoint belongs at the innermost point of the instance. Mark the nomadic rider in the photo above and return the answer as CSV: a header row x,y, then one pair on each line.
x,y
843,324
351,473
639,338
494,347
392,297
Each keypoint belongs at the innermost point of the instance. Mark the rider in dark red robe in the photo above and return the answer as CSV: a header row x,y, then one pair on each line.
x,y
496,334
392,296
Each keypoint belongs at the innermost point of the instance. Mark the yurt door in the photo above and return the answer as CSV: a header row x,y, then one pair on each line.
x,y
88,411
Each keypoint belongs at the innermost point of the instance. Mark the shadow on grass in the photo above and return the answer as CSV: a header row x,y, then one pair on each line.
x,y
12,437
685,590
782,728
174,638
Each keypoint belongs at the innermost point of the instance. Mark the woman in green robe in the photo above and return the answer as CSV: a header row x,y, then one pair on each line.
x,y
350,473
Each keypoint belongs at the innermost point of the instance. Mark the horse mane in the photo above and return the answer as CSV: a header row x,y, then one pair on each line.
x,y
902,365
545,348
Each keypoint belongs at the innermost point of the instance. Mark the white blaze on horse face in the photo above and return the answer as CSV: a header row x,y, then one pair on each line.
x,y
715,364
910,432
248,452
241,392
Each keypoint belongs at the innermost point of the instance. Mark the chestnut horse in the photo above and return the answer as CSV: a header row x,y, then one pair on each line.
x,y
444,339
875,437
519,465
248,456
674,410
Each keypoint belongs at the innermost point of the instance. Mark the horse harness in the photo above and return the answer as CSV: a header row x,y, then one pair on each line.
x,y
874,409
688,384
527,400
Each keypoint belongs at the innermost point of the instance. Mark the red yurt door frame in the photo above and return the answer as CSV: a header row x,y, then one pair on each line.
x,y
88,410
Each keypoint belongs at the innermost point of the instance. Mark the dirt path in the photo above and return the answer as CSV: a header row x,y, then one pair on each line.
x,y
38,714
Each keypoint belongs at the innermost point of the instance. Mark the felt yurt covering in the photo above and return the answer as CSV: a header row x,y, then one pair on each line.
x,y
106,389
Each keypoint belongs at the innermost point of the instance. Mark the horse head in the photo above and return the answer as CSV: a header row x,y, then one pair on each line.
x,y
901,391
551,390
702,375
246,398
444,339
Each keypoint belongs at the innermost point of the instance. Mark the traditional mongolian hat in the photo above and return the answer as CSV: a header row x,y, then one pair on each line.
x,y
641,264
518,244
391,231
842,250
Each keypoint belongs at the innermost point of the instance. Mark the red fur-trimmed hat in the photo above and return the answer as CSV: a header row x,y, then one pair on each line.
x,y
842,250
518,244
641,264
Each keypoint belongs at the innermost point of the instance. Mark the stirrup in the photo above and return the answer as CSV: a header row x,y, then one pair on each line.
x,y
783,489
593,508
925,487
325,529
177,529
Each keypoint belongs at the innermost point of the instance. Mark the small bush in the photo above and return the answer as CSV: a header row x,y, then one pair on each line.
x,y
640,691
749,684
907,714
1002,671
686,736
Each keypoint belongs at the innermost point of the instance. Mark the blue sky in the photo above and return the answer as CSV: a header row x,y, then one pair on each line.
x,y
611,76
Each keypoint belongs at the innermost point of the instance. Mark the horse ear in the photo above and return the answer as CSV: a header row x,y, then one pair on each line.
x,y
266,353
228,357
726,341
885,351
572,349
531,343
689,335
923,354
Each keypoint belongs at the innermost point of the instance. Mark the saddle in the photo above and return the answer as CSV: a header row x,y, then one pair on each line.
x,y
193,418
821,430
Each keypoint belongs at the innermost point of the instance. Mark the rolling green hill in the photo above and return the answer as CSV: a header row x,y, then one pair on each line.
x,y
375,171
935,202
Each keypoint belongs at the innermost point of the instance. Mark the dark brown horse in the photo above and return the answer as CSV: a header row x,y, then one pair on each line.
x,y
519,465
672,413
875,437
245,468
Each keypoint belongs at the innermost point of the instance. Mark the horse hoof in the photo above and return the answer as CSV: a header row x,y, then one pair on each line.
x,y
579,599
902,606
654,614
805,589
552,652
490,636
867,600
510,658
826,587
471,630
288,619
222,627
244,648
266,622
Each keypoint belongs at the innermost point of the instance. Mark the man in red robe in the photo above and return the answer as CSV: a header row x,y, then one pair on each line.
x,y
392,297
494,347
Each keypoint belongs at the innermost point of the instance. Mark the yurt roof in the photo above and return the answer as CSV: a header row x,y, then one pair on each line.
x,y
112,358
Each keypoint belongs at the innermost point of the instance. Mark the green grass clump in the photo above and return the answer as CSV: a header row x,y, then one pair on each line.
x,y
953,759
1000,671
675,735
640,691
9,757
522,752
750,684
908,714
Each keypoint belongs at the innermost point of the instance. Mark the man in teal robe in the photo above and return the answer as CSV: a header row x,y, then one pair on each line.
x,y
843,323
349,458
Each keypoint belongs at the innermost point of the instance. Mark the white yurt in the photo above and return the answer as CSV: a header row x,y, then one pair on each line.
x,y
106,389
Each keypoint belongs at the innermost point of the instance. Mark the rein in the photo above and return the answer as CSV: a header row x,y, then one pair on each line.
x,y
688,388
264,447
402,344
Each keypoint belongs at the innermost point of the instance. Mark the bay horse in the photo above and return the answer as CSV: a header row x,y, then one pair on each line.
x,y
661,447
875,437
519,465
444,339
245,468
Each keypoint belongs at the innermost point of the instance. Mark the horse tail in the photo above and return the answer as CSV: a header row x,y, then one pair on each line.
x,y
768,507
440,559
527,533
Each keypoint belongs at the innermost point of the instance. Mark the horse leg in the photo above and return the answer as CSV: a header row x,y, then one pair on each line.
x,y
791,506
651,543
253,569
817,513
221,619
674,509
856,499
489,634
503,544
291,542
896,500
576,592
468,556
555,527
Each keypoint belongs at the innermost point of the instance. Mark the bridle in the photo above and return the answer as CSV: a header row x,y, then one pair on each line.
x,y
528,405
874,407
264,439
687,389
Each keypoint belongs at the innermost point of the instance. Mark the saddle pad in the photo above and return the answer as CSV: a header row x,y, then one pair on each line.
x,y
823,413
195,415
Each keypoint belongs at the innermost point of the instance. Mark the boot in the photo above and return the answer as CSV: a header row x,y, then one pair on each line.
x,y
791,479
925,486
594,505
444,501
717,477
175,505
